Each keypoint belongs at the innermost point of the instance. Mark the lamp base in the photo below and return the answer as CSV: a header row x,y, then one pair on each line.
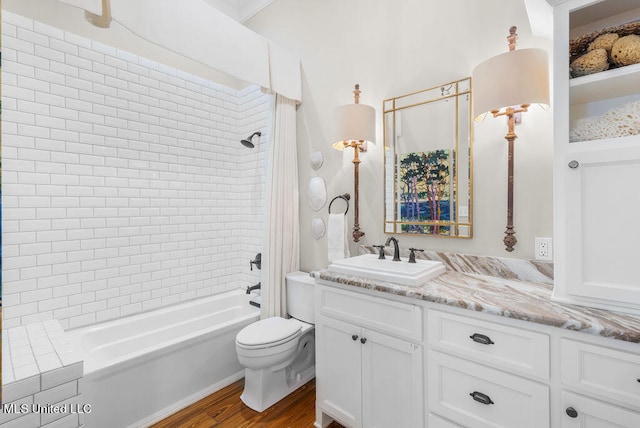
x,y
509,238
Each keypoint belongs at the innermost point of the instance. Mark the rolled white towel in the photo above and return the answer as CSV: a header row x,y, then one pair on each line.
x,y
337,237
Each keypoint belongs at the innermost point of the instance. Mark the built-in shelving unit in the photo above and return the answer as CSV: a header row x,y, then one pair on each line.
x,y
615,83
596,205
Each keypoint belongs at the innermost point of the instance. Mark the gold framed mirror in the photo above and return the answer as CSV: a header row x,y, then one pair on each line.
x,y
428,162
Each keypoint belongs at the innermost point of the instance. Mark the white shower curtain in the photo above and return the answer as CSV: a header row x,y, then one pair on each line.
x,y
281,253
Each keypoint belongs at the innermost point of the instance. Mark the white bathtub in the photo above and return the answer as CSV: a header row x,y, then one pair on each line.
x,y
142,368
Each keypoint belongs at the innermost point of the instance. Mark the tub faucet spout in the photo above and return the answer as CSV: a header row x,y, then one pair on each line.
x,y
253,287
396,249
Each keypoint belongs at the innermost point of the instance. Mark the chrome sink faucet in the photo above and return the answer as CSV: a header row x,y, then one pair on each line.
x,y
396,249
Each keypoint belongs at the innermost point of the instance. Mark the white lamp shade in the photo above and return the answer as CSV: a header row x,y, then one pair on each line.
x,y
511,79
354,122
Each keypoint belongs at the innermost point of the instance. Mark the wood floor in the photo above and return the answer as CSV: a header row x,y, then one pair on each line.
x,y
224,409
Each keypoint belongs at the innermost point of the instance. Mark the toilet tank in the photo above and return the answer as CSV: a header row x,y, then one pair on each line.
x,y
301,296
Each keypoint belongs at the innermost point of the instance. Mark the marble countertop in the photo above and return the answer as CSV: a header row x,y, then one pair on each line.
x,y
509,297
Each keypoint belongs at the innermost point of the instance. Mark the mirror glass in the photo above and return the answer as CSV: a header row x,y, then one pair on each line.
x,y
428,161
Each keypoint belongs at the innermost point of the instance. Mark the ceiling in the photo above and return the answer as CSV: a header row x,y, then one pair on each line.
x,y
240,10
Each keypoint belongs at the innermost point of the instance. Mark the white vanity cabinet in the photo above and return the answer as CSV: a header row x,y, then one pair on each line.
x,y
384,361
596,203
368,370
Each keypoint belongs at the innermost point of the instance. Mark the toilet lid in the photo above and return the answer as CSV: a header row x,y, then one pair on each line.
x,y
268,330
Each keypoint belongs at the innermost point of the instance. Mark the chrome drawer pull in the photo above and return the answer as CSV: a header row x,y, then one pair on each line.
x,y
572,412
481,338
574,164
481,398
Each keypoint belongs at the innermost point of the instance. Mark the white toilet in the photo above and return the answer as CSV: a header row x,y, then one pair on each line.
x,y
279,353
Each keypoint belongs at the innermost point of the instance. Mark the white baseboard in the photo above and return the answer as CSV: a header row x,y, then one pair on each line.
x,y
179,405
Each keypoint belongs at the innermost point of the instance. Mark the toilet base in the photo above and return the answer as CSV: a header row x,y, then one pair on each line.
x,y
263,388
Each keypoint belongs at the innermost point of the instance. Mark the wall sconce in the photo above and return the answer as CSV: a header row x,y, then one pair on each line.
x,y
516,78
355,125
101,21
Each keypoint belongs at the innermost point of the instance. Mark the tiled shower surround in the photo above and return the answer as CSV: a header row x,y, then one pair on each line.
x,y
125,186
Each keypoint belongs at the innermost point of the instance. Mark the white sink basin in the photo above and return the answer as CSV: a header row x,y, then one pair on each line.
x,y
402,272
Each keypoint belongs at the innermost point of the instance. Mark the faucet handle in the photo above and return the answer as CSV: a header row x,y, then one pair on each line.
x,y
381,251
412,256
256,261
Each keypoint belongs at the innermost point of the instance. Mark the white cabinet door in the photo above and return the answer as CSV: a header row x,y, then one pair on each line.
x,y
582,412
338,371
601,209
391,382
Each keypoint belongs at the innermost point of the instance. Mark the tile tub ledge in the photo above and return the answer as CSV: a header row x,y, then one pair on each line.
x,y
41,370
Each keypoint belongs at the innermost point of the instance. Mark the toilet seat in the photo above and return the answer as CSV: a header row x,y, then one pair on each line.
x,y
269,332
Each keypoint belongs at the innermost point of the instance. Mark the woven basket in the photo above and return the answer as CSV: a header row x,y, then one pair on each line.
x,y
578,46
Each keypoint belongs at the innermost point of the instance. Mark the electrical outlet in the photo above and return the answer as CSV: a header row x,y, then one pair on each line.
x,y
543,249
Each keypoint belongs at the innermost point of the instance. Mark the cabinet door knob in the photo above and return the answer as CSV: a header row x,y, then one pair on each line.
x,y
363,340
354,337
481,338
481,398
572,412
574,164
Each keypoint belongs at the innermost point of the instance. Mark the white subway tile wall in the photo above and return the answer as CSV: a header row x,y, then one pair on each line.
x,y
125,186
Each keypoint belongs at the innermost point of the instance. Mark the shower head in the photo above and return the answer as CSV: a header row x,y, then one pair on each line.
x,y
247,142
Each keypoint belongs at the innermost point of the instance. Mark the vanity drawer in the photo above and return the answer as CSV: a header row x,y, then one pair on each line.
x,y
609,373
436,421
476,396
520,351
387,316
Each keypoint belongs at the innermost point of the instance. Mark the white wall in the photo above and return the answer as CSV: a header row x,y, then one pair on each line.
x,y
393,48
125,186
69,18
